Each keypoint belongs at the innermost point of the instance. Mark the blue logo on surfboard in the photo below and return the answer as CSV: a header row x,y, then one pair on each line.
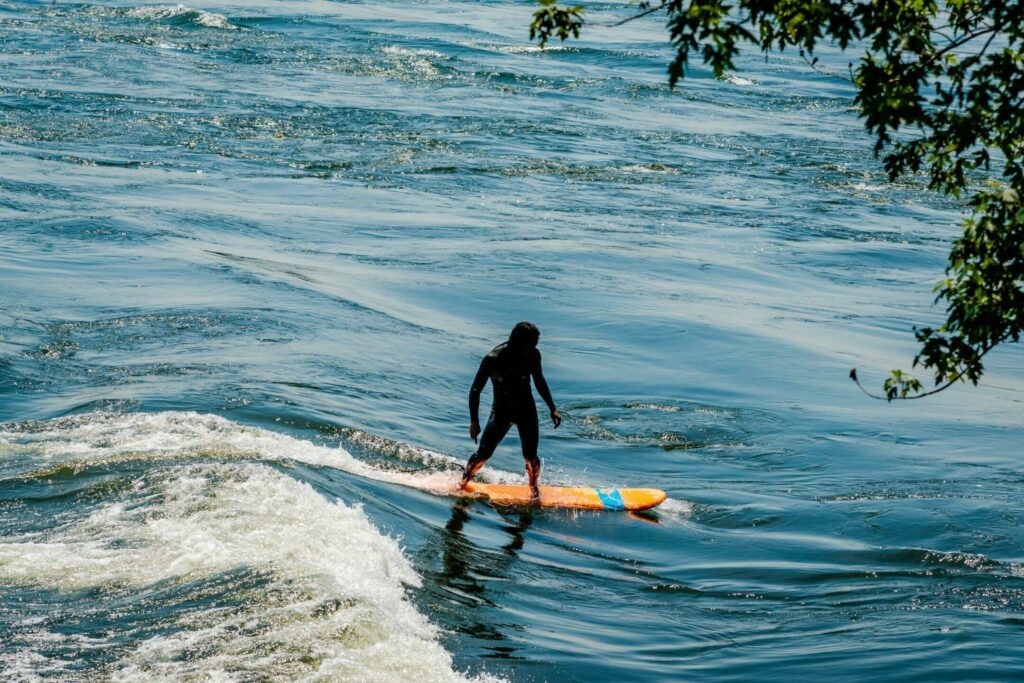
x,y
611,499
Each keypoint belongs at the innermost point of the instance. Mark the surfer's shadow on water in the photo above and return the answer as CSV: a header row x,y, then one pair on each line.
x,y
469,564
464,574
518,522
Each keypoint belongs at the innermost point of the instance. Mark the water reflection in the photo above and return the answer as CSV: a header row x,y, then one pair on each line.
x,y
524,519
473,578
463,562
459,555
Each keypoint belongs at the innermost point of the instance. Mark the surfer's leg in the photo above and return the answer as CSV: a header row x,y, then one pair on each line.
x,y
529,436
496,429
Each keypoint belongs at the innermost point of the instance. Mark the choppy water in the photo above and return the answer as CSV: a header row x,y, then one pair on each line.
x,y
251,253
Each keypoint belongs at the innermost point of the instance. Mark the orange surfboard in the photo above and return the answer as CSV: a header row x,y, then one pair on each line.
x,y
568,497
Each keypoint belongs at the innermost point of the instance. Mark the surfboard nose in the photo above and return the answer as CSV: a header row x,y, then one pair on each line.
x,y
642,499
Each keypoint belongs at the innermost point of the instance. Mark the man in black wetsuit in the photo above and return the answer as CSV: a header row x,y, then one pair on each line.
x,y
510,366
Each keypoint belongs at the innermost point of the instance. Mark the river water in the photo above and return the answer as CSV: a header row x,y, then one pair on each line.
x,y
251,254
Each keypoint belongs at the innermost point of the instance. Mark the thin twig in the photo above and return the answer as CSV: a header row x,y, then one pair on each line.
x,y
853,376
988,43
965,39
814,65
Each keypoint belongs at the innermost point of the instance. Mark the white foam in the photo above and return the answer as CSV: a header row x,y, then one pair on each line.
x,y
736,80
181,523
105,436
196,16
523,49
24,665
412,59
868,187
676,508
190,522
410,52
649,168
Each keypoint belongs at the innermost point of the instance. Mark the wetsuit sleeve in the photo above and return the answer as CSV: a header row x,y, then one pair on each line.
x,y
479,382
542,384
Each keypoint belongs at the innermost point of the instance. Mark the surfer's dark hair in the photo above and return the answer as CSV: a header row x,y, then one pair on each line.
x,y
524,334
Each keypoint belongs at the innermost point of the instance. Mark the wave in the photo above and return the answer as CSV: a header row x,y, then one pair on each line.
x,y
179,14
62,446
174,15
272,579
106,437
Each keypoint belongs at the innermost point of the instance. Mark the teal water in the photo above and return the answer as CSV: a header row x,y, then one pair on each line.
x,y
251,253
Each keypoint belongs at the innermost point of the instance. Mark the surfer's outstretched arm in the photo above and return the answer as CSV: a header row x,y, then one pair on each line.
x,y
545,392
482,375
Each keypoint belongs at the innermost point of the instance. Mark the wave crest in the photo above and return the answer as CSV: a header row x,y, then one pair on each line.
x,y
180,14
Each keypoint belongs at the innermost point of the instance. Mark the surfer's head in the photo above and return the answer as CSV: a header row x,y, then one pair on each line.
x,y
524,336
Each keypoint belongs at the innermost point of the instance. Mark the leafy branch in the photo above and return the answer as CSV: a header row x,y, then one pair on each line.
x,y
553,20
922,71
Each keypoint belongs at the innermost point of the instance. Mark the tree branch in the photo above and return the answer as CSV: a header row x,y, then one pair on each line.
x,y
963,40
853,376
988,43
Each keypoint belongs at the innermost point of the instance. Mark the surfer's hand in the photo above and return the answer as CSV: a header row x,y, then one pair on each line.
x,y
474,431
556,419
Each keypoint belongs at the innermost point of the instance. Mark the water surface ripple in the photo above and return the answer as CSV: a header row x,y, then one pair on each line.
x,y
251,253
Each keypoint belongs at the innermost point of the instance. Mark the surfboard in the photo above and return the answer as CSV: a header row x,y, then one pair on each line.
x,y
568,497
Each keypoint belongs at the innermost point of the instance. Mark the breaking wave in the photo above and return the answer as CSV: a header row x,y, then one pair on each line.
x,y
255,574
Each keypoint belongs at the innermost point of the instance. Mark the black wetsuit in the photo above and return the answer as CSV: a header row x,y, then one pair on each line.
x,y
509,369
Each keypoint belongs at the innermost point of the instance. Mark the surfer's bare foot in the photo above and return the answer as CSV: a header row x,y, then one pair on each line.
x,y
535,492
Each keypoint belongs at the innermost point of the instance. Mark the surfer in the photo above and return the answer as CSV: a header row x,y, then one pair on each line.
x,y
510,366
